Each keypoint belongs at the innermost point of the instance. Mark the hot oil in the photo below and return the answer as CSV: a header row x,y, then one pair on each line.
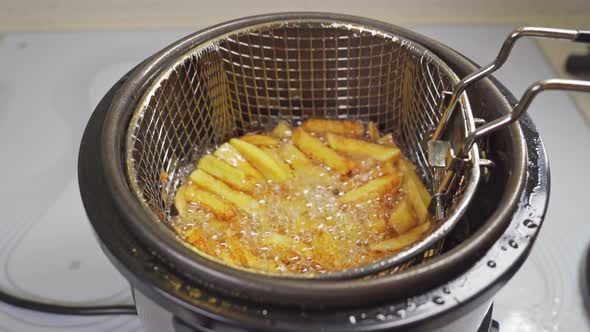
x,y
300,226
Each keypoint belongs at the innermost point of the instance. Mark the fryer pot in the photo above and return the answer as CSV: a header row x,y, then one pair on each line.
x,y
454,288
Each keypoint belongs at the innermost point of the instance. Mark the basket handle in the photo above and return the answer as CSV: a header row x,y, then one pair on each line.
x,y
521,108
448,104
459,160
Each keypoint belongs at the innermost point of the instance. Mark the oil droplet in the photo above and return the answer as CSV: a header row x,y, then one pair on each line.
x,y
363,315
446,290
401,313
438,300
264,312
529,223
352,319
513,244
491,264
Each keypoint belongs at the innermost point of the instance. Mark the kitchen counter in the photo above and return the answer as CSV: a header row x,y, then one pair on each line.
x,y
49,86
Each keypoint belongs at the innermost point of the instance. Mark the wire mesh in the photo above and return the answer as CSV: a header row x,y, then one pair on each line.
x,y
249,79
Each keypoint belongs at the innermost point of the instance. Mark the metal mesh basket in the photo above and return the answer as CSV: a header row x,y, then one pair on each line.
x,y
291,70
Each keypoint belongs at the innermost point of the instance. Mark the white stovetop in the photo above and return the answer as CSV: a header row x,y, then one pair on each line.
x,y
49,85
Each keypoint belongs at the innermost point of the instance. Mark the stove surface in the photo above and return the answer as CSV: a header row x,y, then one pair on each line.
x,y
50,84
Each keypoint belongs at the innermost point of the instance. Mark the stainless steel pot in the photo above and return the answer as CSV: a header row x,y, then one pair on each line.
x,y
456,287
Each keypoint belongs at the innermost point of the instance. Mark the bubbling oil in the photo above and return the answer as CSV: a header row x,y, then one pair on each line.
x,y
300,225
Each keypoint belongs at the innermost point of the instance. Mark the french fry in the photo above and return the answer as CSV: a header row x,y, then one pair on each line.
x,y
377,224
274,154
372,189
373,131
402,241
202,238
217,226
412,176
180,202
417,195
324,249
294,157
279,241
233,176
220,208
359,147
341,127
238,254
413,196
387,140
230,155
261,160
198,239
388,168
315,149
282,130
260,140
402,218
237,198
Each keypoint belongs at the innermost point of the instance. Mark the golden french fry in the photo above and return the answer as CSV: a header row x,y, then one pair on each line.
x,y
359,147
372,189
413,197
325,249
220,208
197,238
277,158
284,246
203,238
180,201
261,160
402,217
342,127
294,157
402,241
233,176
410,171
282,130
217,226
237,253
373,131
387,140
230,155
279,241
416,193
237,198
260,140
315,149
377,224
388,168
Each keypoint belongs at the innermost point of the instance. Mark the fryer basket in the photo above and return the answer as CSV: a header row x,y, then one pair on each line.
x,y
249,79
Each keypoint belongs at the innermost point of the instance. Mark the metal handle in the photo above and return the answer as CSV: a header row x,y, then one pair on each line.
x,y
521,108
458,160
573,35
